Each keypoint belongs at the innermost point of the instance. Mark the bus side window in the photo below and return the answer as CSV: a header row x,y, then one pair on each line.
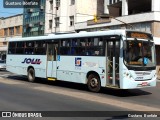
x,y
82,42
100,43
74,42
29,47
40,48
96,41
20,48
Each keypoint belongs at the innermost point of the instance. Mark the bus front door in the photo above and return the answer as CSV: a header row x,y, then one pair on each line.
x,y
112,65
52,61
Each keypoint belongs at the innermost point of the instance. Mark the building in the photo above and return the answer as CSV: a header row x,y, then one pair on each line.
x,y
62,16
54,16
34,20
9,27
130,12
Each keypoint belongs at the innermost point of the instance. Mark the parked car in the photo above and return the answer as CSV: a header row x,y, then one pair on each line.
x,y
2,64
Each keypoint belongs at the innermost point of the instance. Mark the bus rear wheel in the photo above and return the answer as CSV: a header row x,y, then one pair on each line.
x,y
93,83
31,75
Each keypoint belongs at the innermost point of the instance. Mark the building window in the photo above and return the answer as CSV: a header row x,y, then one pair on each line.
x,y
71,20
5,32
18,30
57,21
4,43
50,24
11,31
110,1
72,2
57,3
51,5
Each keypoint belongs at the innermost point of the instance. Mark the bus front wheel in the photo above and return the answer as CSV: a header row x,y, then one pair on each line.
x,y
94,84
31,75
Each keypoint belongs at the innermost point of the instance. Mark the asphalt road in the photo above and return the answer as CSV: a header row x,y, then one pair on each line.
x,y
19,95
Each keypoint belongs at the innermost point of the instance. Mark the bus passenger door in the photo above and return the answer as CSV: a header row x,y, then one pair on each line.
x,y
52,60
112,65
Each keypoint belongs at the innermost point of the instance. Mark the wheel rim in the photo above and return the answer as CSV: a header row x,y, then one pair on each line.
x,y
94,83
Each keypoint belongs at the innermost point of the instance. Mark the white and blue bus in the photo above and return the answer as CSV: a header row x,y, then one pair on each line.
x,y
122,59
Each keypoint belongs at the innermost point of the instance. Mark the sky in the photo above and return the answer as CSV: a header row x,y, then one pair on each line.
x,y
6,12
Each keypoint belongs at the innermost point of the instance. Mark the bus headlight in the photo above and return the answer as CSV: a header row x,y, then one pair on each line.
x,y
127,74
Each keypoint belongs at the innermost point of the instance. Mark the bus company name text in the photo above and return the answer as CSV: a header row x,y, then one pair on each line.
x,y
32,61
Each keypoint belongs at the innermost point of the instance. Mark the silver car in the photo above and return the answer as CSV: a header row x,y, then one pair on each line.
x,y
2,64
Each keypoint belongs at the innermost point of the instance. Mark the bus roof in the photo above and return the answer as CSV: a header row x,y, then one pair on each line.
x,y
73,35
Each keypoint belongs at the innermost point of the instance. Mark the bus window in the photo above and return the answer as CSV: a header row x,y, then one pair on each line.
x,y
75,42
65,51
140,54
94,51
29,48
40,48
96,41
20,48
65,43
83,42
30,44
12,48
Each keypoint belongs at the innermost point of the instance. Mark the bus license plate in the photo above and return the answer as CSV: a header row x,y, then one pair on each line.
x,y
144,83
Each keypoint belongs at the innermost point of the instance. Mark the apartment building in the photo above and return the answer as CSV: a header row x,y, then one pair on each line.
x,y
61,16
34,20
9,27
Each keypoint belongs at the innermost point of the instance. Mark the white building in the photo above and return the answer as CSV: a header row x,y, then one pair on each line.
x,y
61,15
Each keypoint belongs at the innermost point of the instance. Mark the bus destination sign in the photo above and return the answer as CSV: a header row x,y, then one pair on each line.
x,y
139,35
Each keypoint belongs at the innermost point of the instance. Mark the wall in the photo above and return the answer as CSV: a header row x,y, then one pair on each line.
x,y
156,28
82,11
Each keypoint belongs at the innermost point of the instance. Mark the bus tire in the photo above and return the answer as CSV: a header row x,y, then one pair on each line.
x,y
31,75
93,83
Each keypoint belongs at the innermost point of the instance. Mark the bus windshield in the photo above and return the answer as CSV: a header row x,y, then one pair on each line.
x,y
139,53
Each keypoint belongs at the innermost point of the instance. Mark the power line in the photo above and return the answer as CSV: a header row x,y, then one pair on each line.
x,y
47,14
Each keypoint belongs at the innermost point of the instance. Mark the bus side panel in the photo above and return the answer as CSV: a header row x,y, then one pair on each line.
x,y
75,68
19,64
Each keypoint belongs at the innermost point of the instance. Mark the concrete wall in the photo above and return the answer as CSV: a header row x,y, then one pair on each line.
x,y
12,21
156,28
82,11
